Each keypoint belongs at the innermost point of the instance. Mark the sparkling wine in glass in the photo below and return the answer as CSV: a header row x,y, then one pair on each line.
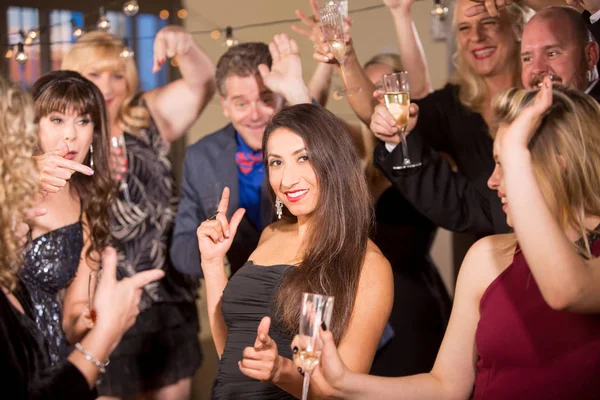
x,y
118,142
316,309
92,286
397,101
332,25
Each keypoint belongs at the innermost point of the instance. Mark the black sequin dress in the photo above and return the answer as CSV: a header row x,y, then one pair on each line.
x,y
49,265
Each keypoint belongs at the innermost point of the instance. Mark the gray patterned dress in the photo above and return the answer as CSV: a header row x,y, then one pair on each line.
x,y
162,347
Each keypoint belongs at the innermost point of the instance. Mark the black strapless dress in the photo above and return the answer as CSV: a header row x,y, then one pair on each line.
x,y
247,298
49,265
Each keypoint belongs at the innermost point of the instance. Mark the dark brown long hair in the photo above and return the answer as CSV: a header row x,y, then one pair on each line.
x,y
65,91
337,238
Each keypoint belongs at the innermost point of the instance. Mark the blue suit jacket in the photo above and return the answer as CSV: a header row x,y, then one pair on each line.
x,y
209,166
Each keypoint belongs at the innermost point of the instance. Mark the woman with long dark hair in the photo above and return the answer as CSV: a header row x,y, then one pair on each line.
x,y
320,245
66,242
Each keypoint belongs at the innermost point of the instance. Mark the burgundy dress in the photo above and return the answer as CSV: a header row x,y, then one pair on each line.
x,y
527,350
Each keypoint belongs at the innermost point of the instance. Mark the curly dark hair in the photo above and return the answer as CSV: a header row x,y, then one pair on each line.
x,y
62,91
242,60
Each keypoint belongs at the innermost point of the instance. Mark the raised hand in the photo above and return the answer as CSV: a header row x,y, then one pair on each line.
x,y
520,132
593,6
384,125
171,41
215,235
285,75
55,170
312,29
117,302
261,361
492,7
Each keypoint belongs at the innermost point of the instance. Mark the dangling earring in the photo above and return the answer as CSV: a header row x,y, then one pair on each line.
x,y
91,156
278,207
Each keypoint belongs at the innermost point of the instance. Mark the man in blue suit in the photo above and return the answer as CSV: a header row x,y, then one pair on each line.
x,y
253,82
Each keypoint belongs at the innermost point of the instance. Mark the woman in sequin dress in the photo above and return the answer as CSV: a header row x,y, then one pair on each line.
x,y
77,189
160,354
25,361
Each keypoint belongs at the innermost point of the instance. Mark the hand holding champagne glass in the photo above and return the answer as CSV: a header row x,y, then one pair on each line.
x,y
332,25
316,310
397,101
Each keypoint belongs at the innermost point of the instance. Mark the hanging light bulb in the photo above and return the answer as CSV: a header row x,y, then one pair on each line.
x,y
77,31
439,12
216,34
9,52
229,40
127,52
439,25
21,57
103,23
131,8
31,36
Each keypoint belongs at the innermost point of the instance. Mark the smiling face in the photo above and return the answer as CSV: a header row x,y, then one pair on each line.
x,y
77,131
249,104
485,43
291,174
550,47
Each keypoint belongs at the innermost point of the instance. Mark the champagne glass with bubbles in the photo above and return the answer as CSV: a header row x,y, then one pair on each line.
x,y
397,101
316,309
332,25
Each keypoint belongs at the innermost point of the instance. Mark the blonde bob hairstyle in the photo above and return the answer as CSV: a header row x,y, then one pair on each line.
x,y
565,152
103,51
473,92
18,174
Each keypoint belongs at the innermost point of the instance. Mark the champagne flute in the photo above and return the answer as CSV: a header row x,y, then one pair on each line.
x,y
118,142
332,25
316,309
397,101
93,280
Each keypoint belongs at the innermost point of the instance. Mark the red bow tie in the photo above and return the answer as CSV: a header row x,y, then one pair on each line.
x,y
247,161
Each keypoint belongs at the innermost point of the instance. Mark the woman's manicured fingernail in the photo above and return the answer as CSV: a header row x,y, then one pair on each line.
x,y
323,326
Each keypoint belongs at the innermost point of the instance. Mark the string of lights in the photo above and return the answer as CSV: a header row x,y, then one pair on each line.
x,y
132,7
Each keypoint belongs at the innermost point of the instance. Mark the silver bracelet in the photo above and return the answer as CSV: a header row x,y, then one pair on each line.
x,y
101,365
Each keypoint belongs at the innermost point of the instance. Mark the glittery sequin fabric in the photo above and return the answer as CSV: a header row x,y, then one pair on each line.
x,y
50,264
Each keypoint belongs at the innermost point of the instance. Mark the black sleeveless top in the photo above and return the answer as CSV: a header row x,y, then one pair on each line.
x,y
247,298
49,265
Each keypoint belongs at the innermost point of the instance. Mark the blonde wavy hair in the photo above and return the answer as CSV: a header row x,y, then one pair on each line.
x,y
391,60
103,51
565,152
18,173
473,92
